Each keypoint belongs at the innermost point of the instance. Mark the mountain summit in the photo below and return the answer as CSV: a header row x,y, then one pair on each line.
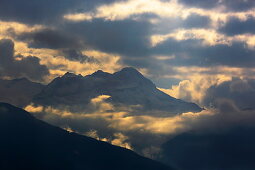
x,y
126,87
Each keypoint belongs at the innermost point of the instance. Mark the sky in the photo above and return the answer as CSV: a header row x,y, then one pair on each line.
x,y
168,41
201,51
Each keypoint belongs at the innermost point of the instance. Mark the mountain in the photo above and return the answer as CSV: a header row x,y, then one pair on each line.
x,y
126,87
18,92
231,149
28,143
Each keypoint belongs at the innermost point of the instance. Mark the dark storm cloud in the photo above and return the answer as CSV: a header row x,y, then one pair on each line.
x,y
50,38
29,67
230,5
200,3
39,11
235,26
131,40
196,21
68,44
193,52
241,92
76,55
43,11
239,5
126,37
167,25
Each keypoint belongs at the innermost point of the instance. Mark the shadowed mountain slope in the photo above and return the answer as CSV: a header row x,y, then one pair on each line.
x,y
231,149
18,92
126,87
28,143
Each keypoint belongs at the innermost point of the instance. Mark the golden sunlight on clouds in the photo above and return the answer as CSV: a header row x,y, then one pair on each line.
x,y
196,80
158,125
195,88
219,71
125,121
210,37
33,109
100,104
218,15
69,129
56,63
6,27
168,9
123,10
117,139
78,17
59,65
171,9
99,99
23,49
120,141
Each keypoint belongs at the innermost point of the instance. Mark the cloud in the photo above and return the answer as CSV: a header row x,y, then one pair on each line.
x,y
188,35
122,10
239,5
195,88
19,66
228,5
76,55
196,21
124,127
59,64
117,125
235,26
117,139
127,37
200,3
43,11
120,141
34,12
197,45
207,90
227,134
240,91
50,38
193,52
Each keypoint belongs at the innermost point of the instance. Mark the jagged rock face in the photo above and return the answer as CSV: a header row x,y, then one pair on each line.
x,y
28,143
126,87
18,92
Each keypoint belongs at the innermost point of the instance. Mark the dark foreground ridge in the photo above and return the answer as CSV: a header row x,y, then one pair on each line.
x,y
28,143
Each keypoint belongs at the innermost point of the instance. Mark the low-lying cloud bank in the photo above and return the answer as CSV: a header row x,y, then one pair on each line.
x,y
145,133
119,126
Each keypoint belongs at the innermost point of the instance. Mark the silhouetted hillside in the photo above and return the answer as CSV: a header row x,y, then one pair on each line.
x,y
28,143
